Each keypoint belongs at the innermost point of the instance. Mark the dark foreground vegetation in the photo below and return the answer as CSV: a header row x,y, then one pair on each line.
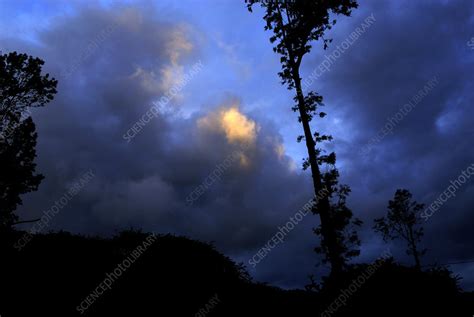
x,y
175,276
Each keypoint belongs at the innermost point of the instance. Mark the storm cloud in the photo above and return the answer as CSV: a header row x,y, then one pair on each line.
x,y
114,62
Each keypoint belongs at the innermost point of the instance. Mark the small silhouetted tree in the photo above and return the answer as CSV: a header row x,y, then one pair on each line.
x,y
22,86
401,222
295,24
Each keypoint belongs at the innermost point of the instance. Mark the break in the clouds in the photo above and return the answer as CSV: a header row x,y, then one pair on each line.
x,y
114,61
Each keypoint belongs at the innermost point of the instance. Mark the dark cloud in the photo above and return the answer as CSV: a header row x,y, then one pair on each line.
x,y
409,44
112,64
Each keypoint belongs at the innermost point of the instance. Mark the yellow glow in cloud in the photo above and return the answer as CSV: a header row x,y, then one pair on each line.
x,y
236,127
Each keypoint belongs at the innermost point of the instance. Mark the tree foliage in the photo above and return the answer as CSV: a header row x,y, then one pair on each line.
x,y
401,222
22,86
344,225
17,170
295,24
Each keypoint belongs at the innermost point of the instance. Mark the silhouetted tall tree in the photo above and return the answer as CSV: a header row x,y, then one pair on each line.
x,y
295,25
22,86
401,222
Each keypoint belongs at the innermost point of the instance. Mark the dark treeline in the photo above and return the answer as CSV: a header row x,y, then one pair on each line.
x,y
60,274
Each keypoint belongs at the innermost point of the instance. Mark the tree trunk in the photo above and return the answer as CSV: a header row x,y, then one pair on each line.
x,y
417,259
323,206
414,250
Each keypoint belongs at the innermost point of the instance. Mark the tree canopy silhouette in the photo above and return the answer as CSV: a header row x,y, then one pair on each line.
x,y
401,222
295,24
22,86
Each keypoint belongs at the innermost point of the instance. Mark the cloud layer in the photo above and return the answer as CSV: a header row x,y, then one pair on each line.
x,y
114,61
